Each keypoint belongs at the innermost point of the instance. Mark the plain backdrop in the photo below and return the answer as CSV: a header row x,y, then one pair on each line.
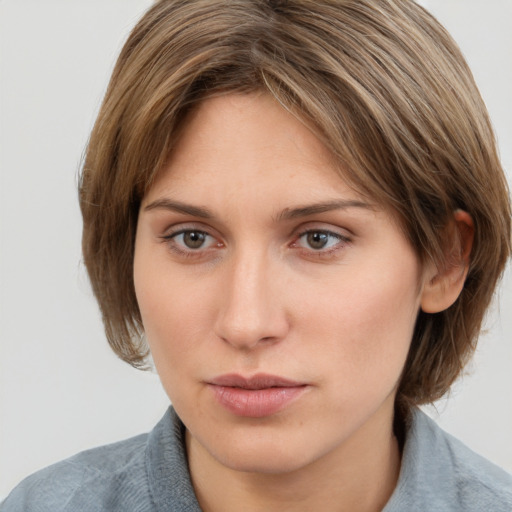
x,y
61,388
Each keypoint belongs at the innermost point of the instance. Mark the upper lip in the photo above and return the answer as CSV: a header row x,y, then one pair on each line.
x,y
258,381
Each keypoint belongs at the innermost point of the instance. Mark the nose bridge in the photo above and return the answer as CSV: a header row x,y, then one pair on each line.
x,y
250,311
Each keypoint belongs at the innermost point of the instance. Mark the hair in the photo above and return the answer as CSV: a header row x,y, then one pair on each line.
x,y
384,87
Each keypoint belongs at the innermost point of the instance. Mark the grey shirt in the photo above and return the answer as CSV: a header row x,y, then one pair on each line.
x,y
149,473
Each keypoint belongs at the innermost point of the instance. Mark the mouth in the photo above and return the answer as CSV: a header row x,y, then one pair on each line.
x,y
257,396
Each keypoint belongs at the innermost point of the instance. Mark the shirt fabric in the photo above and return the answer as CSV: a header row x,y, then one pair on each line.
x,y
149,473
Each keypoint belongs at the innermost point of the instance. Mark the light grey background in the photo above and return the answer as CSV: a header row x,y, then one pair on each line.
x,y
61,389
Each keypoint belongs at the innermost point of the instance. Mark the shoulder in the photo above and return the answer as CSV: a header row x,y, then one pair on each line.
x,y
87,481
440,473
478,480
143,474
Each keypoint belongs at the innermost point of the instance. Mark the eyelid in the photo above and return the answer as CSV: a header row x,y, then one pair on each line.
x,y
332,233
343,236
184,226
340,234
171,233
324,227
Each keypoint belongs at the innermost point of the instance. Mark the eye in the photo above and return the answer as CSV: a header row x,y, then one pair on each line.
x,y
191,239
320,240
317,239
188,241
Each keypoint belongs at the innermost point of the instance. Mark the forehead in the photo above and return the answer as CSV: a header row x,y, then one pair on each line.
x,y
249,140
252,146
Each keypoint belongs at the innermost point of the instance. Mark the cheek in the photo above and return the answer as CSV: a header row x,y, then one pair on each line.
x,y
364,322
157,299
171,320
171,329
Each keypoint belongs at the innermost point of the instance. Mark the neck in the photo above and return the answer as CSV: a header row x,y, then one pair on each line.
x,y
359,476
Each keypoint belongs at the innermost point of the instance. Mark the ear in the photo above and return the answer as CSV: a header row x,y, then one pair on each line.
x,y
443,286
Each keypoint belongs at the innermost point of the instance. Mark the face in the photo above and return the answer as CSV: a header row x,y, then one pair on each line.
x,y
278,303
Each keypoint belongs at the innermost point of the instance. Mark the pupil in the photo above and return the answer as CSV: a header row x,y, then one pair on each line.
x,y
193,239
317,240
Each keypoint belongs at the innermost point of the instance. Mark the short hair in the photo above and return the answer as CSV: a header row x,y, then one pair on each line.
x,y
387,91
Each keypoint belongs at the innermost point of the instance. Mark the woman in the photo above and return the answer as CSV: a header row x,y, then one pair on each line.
x,y
299,209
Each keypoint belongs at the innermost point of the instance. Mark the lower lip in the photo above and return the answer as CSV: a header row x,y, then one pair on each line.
x,y
256,403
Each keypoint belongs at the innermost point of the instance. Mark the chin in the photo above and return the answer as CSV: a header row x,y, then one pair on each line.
x,y
264,450
264,461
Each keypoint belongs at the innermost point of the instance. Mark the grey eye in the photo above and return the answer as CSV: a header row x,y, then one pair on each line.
x,y
317,239
193,239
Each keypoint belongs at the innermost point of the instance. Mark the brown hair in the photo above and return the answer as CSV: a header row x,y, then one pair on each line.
x,y
386,89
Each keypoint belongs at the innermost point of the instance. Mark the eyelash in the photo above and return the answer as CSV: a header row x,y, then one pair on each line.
x,y
181,250
341,242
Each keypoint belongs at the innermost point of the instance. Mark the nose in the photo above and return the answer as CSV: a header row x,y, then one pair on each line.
x,y
252,309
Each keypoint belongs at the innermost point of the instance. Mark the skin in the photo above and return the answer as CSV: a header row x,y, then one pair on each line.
x,y
253,292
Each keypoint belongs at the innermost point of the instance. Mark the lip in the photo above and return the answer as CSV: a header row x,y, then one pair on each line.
x,y
256,396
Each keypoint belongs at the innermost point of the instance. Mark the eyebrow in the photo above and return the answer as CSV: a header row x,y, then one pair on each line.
x,y
327,206
178,206
286,214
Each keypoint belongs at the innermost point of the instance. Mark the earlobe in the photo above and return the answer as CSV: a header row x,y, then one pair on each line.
x,y
443,286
